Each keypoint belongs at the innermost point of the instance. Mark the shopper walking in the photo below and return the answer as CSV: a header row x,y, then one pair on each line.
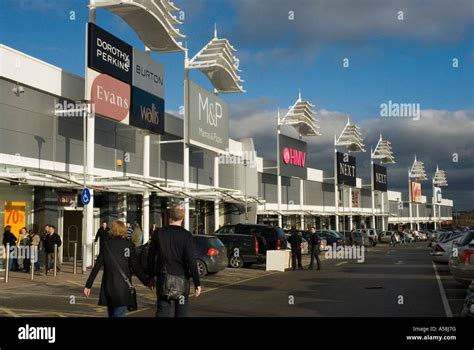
x,y
315,249
295,241
34,248
41,248
10,238
23,244
102,234
137,235
52,239
172,262
119,260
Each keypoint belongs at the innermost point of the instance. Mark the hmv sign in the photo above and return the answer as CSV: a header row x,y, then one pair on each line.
x,y
346,169
380,178
293,157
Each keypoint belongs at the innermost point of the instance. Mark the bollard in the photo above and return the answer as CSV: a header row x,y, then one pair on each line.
x,y
32,261
84,247
7,262
55,259
74,266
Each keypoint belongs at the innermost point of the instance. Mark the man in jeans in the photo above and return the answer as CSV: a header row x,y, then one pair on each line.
x,y
315,249
51,239
172,250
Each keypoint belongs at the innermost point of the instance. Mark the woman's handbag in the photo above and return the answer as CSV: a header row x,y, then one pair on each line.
x,y
133,293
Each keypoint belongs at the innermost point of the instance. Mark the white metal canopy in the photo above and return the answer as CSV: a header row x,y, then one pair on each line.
x,y
417,171
150,19
351,138
217,61
383,151
301,117
439,178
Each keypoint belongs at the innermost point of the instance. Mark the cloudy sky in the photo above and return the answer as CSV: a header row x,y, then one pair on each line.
x,y
400,51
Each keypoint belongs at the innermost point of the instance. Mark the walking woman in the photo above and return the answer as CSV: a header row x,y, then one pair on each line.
x,y
118,258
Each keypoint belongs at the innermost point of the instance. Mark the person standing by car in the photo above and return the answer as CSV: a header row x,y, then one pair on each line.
x,y
315,246
102,234
10,238
172,261
51,239
295,243
119,260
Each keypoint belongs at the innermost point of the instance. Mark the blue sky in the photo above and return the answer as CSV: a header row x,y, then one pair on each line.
x,y
407,61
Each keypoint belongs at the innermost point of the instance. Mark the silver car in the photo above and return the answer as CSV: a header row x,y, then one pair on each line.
x,y
441,251
461,261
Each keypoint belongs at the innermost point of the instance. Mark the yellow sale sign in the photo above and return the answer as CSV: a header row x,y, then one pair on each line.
x,y
15,216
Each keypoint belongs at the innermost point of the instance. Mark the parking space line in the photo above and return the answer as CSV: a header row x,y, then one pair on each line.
x,y
341,263
9,312
447,308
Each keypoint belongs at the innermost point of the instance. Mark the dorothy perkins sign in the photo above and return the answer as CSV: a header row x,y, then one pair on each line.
x,y
208,119
108,54
380,178
346,169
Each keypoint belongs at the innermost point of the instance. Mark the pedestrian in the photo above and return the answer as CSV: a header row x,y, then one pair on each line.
x,y
393,239
102,234
34,248
129,230
52,239
23,243
119,260
137,235
315,249
41,248
295,241
172,261
153,229
353,238
10,238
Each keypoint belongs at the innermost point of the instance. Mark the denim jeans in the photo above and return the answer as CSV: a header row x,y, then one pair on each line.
x,y
117,311
163,307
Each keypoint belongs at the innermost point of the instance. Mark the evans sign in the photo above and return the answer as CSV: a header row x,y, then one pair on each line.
x,y
148,111
147,73
108,54
380,178
293,157
208,119
346,169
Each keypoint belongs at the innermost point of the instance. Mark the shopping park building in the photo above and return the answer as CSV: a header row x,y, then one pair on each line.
x,y
137,173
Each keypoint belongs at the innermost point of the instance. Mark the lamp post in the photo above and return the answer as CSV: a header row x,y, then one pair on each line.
x,y
439,180
383,153
350,138
415,174
301,117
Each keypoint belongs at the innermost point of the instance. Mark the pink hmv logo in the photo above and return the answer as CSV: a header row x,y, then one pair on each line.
x,y
294,157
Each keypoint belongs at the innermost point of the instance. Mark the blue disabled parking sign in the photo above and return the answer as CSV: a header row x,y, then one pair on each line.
x,y
85,196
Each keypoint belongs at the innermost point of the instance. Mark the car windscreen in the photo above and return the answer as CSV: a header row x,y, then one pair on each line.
x,y
467,238
216,243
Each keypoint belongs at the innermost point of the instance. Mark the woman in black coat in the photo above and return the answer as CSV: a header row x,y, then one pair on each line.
x,y
118,255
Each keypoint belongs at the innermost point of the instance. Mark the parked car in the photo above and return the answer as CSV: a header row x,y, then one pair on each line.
x,y
242,250
240,228
468,306
385,236
461,264
304,244
331,237
211,254
322,242
441,251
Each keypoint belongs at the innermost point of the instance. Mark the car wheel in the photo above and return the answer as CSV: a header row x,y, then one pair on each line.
x,y
236,262
202,269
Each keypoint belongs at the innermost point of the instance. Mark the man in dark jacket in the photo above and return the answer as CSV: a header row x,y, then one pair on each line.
x,y
314,254
51,239
102,234
9,238
295,241
172,254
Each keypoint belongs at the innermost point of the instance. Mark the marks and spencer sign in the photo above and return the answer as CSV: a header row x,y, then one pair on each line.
x,y
346,169
380,178
293,157
108,54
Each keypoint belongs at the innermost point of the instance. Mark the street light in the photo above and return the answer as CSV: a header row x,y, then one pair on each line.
x,y
439,180
383,153
301,117
351,138
415,174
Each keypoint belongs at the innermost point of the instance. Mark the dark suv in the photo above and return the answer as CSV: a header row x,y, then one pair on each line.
x,y
269,238
242,250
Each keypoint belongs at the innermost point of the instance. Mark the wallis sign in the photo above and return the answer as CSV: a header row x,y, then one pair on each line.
x,y
293,157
